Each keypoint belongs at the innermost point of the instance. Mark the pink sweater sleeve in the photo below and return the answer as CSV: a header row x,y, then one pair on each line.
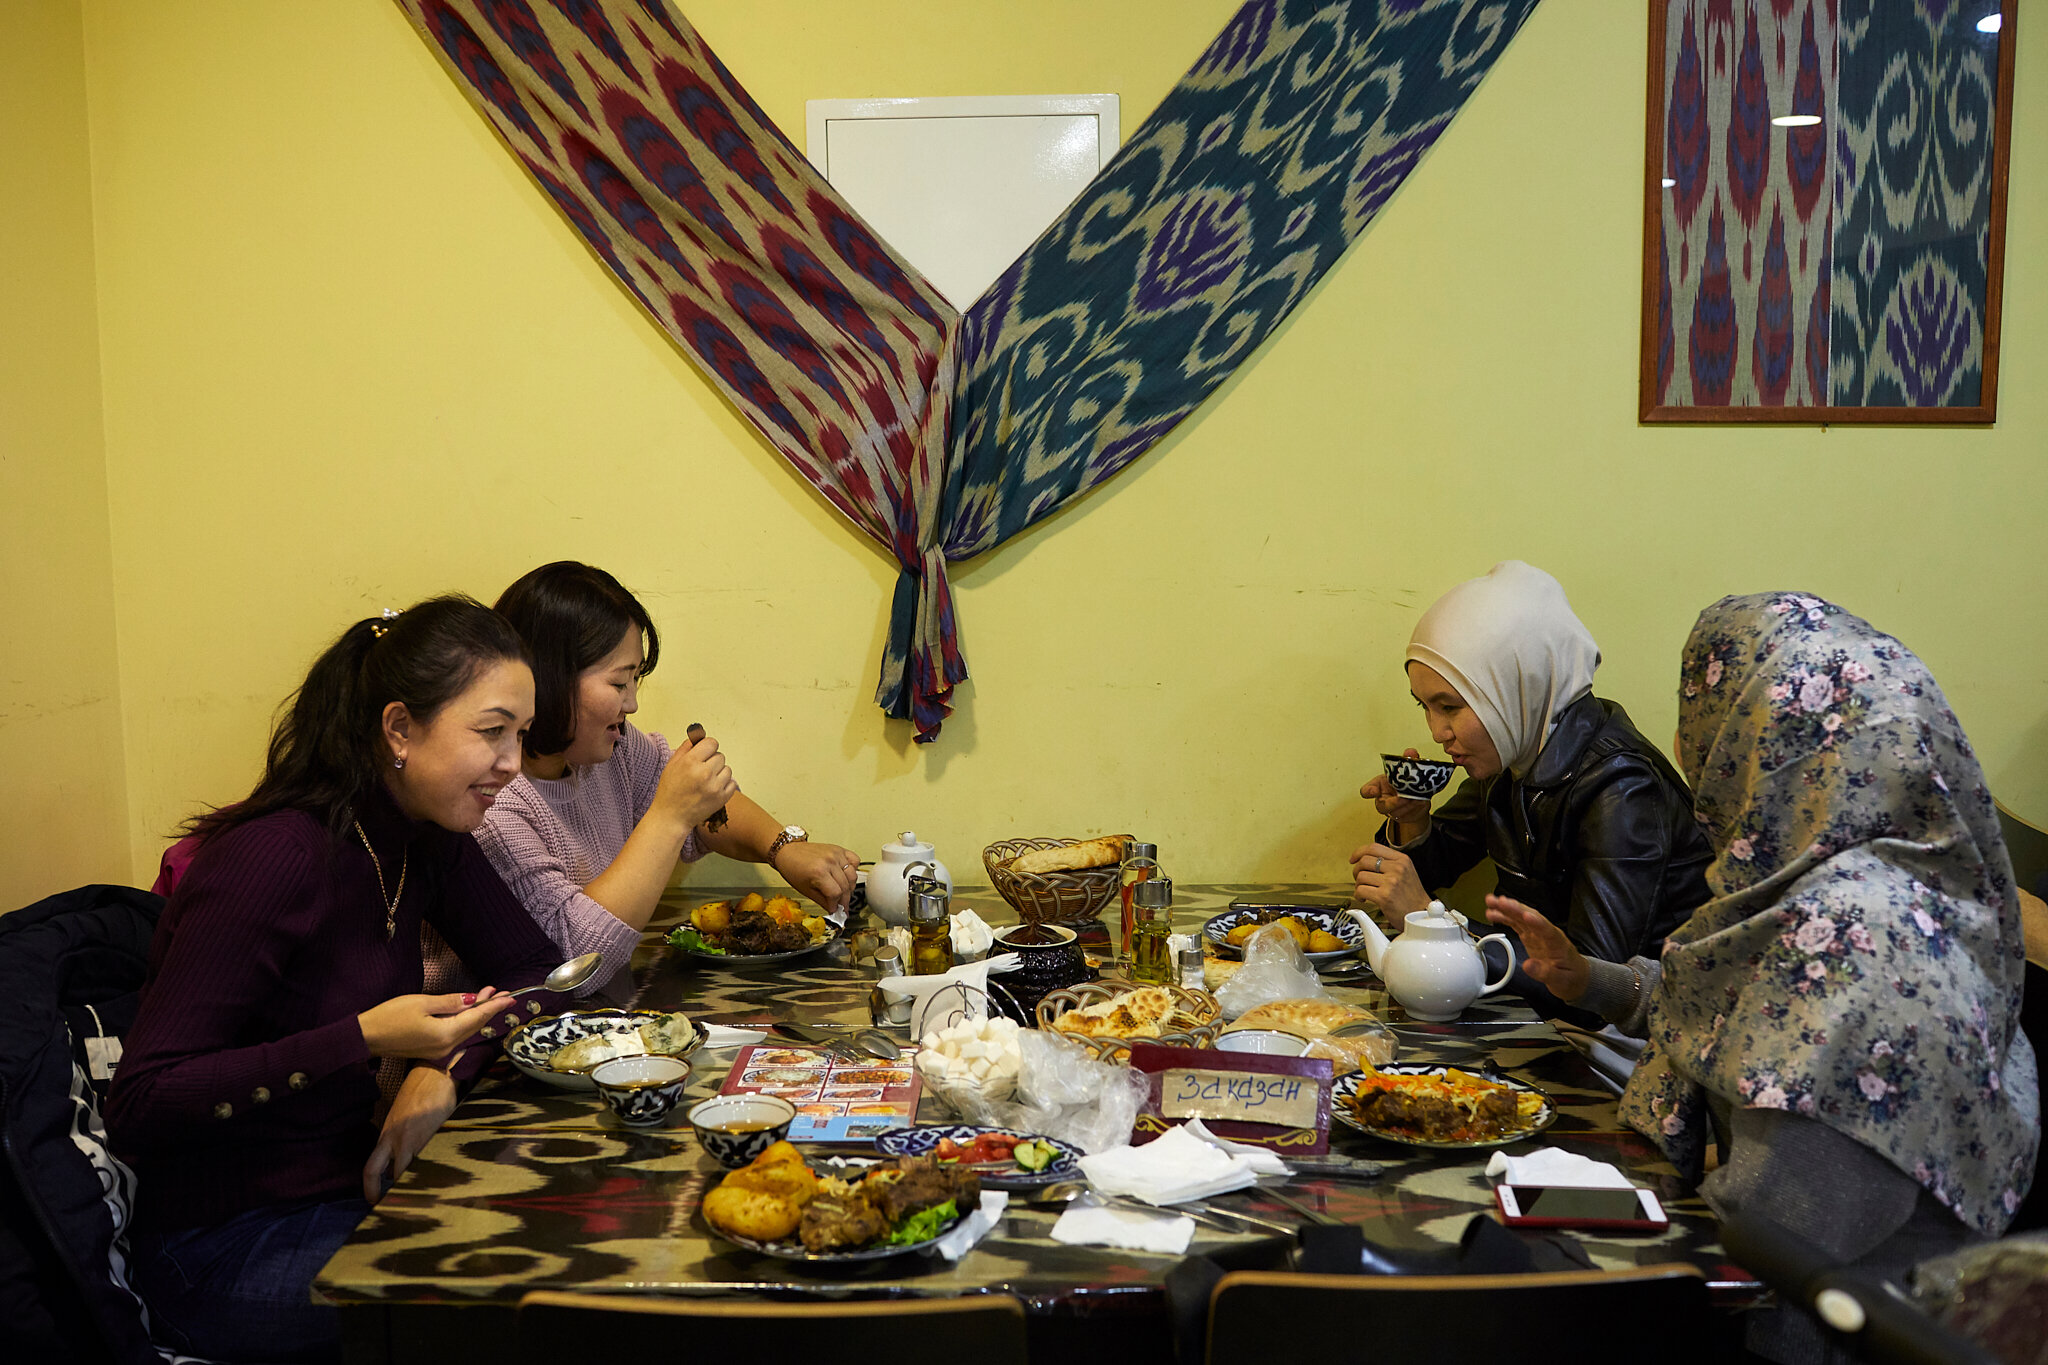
x,y
540,880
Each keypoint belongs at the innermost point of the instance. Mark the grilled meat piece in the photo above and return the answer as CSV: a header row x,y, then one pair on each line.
x,y
1423,1116
836,1222
751,932
787,938
926,1183
1497,1112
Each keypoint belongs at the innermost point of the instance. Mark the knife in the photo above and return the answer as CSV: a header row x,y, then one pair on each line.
x,y
695,734
1336,1168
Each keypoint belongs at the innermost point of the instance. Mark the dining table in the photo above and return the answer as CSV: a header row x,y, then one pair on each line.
x,y
528,1187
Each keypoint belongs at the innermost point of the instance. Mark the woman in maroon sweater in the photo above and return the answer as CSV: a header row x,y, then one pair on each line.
x,y
287,963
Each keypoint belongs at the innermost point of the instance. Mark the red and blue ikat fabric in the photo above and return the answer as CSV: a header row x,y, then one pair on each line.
x,y
1842,263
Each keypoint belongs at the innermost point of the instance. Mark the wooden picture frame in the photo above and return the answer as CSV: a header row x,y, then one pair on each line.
x,y
1909,330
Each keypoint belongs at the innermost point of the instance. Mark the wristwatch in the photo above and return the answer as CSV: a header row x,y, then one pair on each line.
x,y
791,834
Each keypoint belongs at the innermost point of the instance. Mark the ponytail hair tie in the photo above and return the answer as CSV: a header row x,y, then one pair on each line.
x,y
382,624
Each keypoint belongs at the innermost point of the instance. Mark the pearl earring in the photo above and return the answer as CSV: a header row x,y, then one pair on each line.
x,y
398,763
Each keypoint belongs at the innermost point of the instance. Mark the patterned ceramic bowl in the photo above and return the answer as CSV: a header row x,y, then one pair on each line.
x,y
1418,778
642,1091
737,1128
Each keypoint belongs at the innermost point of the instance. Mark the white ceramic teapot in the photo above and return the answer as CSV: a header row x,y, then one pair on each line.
x,y
1433,970
888,879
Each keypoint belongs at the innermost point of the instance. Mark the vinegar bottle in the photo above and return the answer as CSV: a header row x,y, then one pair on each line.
x,y
1151,955
1140,864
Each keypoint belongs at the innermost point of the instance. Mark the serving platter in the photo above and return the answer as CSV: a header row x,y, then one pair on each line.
x,y
1344,1093
796,1251
529,1046
836,919
994,1175
1330,919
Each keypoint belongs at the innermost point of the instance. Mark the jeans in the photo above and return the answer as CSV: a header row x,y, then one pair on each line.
x,y
242,1290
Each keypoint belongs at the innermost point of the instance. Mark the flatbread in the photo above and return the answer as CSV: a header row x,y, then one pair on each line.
x,y
1134,1014
1104,852
1303,1018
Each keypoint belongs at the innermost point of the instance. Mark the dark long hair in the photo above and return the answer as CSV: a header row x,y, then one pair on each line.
x,y
327,749
570,615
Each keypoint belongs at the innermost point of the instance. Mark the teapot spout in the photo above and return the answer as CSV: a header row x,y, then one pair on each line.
x,y
1375,941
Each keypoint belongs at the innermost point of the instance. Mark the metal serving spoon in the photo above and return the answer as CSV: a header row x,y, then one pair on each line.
x,y
566,977
877,1044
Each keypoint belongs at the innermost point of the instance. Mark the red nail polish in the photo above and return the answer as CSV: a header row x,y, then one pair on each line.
x,y
469,999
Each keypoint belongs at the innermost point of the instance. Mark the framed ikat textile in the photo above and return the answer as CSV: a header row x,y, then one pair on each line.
x,y
1824,210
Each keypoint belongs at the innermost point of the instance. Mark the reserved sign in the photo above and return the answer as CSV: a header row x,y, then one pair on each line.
x,y
1277,1102
1248,1097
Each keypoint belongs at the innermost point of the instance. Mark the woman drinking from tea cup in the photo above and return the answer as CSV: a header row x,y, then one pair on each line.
x,y
1585,821
1842,1018
288,960
590,833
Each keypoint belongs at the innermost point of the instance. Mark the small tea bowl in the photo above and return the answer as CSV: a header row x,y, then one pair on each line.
x,y
737,1128
1418,779
642,1091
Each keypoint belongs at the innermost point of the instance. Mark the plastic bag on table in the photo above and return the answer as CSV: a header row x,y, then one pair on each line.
x,y
1063,1092
1275,968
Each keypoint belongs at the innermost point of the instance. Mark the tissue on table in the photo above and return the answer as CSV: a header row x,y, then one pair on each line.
x,y
1086,1225
1263,1161
1554,1166
725,1035
1172,1168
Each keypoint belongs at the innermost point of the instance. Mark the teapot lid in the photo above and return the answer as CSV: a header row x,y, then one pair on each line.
x,y
1435,916
907,845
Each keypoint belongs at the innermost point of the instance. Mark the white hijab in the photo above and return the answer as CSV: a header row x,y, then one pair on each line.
x,y
1511,645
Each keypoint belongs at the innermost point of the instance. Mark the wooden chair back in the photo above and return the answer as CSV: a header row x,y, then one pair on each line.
x,y
986,1329
1645,1312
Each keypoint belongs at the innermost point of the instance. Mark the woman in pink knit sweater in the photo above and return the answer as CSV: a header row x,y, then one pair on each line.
x,y
589,834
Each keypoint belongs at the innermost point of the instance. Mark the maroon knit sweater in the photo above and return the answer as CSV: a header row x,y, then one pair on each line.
x,y
245,1081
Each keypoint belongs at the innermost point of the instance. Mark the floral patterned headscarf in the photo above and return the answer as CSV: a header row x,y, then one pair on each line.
x,y
1861,960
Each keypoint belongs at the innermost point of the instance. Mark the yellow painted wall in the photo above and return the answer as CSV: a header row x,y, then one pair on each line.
x,y
63,808
352,357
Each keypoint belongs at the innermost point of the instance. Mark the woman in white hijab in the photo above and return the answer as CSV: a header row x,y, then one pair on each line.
x,y
1585,821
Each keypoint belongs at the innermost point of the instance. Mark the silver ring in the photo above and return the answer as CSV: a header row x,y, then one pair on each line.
x,y
1378,863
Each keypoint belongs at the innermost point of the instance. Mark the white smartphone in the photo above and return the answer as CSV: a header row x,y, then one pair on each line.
x,y
1565,1206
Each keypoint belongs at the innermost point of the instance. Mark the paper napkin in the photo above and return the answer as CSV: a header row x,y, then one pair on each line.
x,y
1170,1169
924,992
1554,1166
1089,1225
1263,1161
972,1228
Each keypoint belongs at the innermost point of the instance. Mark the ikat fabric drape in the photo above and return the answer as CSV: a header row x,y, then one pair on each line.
x,y
937,436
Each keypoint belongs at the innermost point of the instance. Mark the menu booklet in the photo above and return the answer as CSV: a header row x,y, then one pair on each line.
x,y
836,1100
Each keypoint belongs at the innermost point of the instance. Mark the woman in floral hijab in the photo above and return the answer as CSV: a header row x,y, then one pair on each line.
x,y
1843,1015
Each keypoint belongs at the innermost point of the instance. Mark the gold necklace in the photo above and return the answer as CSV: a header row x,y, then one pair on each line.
x,y
390,901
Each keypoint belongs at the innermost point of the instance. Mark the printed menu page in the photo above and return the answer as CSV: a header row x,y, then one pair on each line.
x,y
836,1100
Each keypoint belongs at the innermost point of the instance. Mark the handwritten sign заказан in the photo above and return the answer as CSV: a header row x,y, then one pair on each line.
x,y
1243,1096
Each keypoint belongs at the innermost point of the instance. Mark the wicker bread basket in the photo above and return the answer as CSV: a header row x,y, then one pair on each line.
x,y
1070,898
1199,1016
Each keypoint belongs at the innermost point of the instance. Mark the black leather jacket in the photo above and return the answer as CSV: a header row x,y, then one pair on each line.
x,y
1599,837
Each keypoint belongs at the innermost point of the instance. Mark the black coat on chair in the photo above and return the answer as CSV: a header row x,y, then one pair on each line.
x,y
70,970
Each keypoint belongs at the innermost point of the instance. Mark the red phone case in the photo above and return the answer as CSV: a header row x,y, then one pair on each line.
x,y
1623,1224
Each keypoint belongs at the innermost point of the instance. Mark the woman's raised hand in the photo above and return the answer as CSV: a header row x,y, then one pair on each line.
x,y
695,784
426,1026
1398,810
820,872
1552,959
1386,880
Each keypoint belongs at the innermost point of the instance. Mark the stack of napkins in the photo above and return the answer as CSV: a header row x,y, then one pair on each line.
x,y
925,993
1177,1166
1554,1166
